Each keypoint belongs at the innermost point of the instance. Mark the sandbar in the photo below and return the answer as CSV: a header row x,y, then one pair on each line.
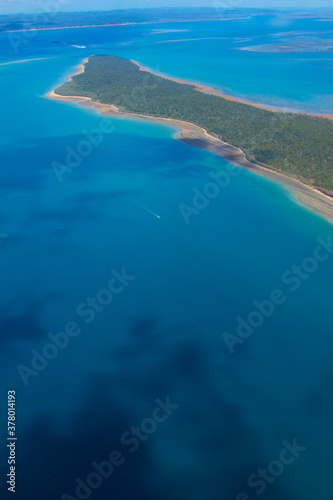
x,y
24,61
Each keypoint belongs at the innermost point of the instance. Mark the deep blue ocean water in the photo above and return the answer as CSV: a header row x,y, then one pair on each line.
x,y
163,335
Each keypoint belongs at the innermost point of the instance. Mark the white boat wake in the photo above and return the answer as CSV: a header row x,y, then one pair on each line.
x,y
148,210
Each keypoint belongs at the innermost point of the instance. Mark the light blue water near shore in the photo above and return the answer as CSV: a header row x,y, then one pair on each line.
x,y
163,334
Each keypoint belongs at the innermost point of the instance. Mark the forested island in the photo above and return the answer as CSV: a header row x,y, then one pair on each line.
x,y
298,145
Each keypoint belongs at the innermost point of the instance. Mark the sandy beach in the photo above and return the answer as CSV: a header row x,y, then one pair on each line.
x,y
210,90
80,69
191,134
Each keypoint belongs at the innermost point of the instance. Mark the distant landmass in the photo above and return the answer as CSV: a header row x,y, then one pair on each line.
x,y
54,20
121,16
298,145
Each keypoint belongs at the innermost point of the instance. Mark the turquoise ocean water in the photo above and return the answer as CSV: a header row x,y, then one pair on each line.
x,y
163,335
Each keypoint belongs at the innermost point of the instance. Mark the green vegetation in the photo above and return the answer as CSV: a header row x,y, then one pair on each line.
x,y
52,19
295,144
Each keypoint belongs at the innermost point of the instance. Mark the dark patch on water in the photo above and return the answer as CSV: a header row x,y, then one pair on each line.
x,y
92,197
189,360
21,319
67,215
144,331
224,449
50,460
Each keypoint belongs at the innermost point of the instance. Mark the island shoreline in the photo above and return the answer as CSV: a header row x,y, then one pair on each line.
x,y
212,91
308,197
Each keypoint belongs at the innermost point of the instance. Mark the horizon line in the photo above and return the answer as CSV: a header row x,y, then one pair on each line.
x,y
231,9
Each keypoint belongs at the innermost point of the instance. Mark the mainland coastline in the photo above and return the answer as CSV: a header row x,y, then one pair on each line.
x,y
51,28
194,135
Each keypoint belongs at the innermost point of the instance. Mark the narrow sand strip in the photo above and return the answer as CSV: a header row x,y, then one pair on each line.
x,y
24,61
210,90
